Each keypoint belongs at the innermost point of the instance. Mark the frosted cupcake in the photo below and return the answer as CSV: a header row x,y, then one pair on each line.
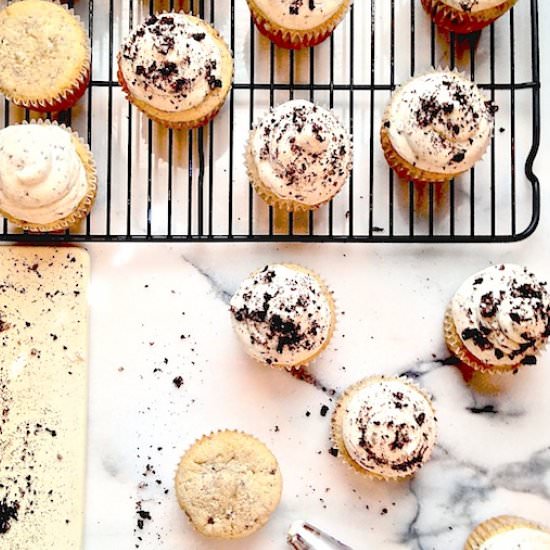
x,y
177,69
465,16
284,315
228,484
384,427
436,127
299,156
45,55
297,23
47,176
508,533
499,319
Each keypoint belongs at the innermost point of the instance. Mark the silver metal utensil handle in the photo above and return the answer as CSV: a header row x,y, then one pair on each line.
x,y
304,536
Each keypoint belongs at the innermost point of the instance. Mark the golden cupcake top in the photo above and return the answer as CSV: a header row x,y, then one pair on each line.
x,y
172,62
44,51
228,483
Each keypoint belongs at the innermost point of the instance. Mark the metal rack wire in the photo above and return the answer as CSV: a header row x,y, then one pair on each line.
x,y
158,185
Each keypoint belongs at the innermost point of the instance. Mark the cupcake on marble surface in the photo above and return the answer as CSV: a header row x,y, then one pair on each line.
x,y
297,24
299,156
509,533
499,319
284,315
436,127
48,178
228,484
45,55
465,16
385,427
177,69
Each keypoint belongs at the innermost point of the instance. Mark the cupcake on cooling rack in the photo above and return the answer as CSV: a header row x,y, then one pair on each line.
x,y
508,533
284,315
384,427
436,127
228,484
177,69
45,55
297,23
299,156
465,16
47,176
499,319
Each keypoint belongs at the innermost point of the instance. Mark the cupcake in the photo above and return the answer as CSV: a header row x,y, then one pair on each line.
x,y
508,533
45,55
384,427
228,484
47,176
298,156
499,319
284,315
465,16
176,69
436,127
297,24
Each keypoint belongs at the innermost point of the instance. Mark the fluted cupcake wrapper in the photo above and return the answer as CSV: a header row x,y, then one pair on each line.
x,y
496,526
295,39
463,22
67,97
337,426
457,348
164,117
329,295
84,206
198,441
401,166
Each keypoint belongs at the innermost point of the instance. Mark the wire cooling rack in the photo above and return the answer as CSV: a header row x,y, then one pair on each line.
x,y
161,185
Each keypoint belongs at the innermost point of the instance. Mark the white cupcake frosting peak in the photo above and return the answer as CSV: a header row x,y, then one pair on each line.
x,y
389,427
171,62
521,538
299,15
282,315
440,122
502,315
473,6
302,152
42,178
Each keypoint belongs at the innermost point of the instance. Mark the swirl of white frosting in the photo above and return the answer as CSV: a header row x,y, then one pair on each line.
x,y
302,152
171,62
473,6
42,178
522,538
389,427
440,122
282,315
299,15
502,315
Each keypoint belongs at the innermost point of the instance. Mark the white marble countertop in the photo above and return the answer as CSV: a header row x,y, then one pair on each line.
x,y
160,311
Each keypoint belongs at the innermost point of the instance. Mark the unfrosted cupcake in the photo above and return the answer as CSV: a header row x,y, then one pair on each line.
x,y
499,319
177,69
297,23
436,127
47,176
284,315
384,427
45,55
228,483
465,16
509,533
299,156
